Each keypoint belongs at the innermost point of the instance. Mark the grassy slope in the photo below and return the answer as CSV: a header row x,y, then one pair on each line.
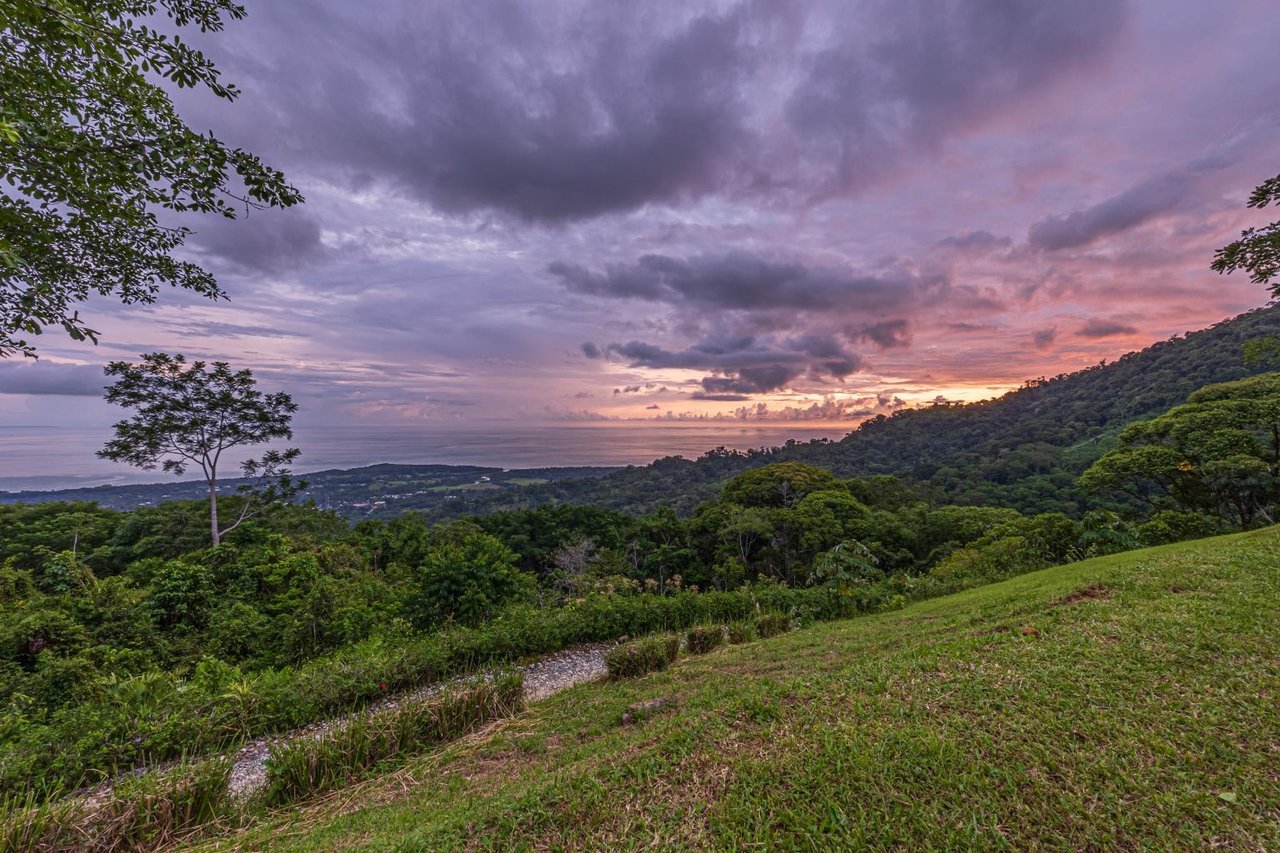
x,y
1146,717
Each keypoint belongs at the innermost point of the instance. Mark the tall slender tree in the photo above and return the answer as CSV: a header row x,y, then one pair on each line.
x,y
192,414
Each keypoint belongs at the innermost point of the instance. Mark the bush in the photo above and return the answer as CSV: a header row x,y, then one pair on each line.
x,y
641,656
772,624
307,766
465,577
155,716
704,638
741,632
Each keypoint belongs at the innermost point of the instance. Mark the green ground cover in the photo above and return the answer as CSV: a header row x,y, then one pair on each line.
x,y
1125,702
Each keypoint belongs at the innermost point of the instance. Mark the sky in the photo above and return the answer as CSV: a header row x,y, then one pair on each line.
x,y
572,211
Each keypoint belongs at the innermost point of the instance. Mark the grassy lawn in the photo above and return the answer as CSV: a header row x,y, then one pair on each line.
x,y
1127,702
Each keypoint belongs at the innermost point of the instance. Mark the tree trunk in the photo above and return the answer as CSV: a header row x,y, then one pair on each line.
x,y
213,511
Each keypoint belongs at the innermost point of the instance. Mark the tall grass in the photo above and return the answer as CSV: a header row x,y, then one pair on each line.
x,y
637,657
772,624
137,814
308,766
704,638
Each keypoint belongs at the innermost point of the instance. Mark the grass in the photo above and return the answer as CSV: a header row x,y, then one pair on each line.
x,y
307,766
705,638
1126,702
144,813
645,655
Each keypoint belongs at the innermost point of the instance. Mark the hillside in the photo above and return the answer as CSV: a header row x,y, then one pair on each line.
x,y
376,491
1023,450
1125,702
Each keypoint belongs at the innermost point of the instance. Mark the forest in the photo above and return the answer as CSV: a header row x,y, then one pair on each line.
x,y
128,638
1025,449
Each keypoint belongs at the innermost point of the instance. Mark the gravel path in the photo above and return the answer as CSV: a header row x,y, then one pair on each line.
x,y
542,678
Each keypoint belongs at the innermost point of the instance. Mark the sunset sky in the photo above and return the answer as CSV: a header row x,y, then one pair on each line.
x,y
571,211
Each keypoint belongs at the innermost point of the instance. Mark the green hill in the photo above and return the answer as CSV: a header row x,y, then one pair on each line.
x,y
1022,450
1126,702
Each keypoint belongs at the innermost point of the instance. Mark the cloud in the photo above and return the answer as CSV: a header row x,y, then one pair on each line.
x,y
976,242
1121,212
914,72
50,378
746,365
590,350
566,111
1044,338
1098,328
888,334
262,241
746,282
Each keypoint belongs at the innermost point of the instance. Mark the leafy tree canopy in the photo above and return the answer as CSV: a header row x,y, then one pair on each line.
x,y
1257,252
191,414
1218,453
781,484
95,158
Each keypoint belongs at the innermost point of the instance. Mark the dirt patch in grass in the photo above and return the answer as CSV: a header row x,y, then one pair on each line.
x,y
1093,592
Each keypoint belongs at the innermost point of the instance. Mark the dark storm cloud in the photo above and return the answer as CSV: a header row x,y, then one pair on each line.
x,y
590,350
1098,328
749,365
548,112
976,241
563,111
921,70
48,378
1044,338
268,241
744,282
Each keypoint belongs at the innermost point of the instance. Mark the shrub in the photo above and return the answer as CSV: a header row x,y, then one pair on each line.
x,y
704,638
741,632
641,656
155,715
466,577
307,766
772,624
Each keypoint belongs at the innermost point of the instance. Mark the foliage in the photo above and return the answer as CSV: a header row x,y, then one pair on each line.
x,y
779,485
466,576
741,631
772,624
703,638
1218,453
93,154
639,657
1257,252
305,766
188,415
146,813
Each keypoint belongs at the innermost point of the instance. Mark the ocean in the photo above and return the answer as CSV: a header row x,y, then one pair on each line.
x,y
63,457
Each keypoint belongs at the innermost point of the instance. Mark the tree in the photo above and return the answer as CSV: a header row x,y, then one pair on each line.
x,y
466,576
781,484
190,415
1217,453
1257,252
95,158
